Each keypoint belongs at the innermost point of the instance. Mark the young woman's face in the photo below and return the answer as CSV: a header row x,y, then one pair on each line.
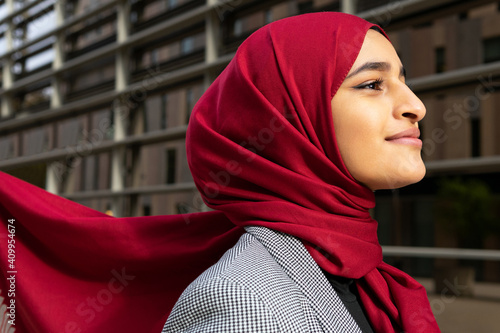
x,y
375,116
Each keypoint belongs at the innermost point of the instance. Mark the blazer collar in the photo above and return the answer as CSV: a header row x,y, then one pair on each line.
x,y
297,263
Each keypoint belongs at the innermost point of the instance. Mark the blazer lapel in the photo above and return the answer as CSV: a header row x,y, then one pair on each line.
x,y
297,263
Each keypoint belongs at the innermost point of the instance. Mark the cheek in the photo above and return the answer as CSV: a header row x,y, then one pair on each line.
x,y
366,160
360,142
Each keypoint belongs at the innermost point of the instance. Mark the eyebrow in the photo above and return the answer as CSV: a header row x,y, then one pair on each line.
x,y
376,66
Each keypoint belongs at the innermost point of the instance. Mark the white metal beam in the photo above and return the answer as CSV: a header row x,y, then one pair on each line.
x,y
464,165
437,252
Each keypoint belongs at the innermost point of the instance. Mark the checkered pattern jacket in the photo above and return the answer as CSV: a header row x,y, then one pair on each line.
x,y
267,282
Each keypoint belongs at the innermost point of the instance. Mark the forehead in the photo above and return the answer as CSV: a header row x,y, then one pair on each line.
x,y
376,48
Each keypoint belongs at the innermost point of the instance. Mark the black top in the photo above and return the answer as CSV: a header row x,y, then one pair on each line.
x,y
348,294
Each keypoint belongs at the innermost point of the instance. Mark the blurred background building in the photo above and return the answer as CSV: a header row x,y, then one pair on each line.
x,y
96,97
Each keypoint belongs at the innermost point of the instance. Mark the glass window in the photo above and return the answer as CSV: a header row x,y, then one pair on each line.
x,y
164,111
172,3
35,141
154,56
110,130
187,45
491,49
69,133
89,174
238,27
189,103
6,148
134,17
146,205
171,163
475,125
440,60
153,107
305,6
268,16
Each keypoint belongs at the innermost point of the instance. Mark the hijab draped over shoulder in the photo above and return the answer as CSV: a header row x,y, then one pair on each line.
x,y
261,147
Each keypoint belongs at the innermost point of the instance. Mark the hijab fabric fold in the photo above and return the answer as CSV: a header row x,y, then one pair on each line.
x,y
261,147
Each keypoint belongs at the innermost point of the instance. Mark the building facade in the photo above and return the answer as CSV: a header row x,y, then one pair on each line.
x,y
96,97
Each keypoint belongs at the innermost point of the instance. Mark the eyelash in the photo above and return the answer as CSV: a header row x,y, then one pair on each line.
x,y
377,83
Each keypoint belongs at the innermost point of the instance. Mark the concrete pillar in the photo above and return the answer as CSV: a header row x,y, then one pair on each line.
x,y
52,174
52,178
7,76
59,43
120,111
123,21
7,79
56,98
348,6
212,36
212,41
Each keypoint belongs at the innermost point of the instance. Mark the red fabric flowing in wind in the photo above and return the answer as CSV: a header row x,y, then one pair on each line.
x,y
262,151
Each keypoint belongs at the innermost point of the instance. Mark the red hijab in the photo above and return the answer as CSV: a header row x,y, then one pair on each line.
x,y
262,151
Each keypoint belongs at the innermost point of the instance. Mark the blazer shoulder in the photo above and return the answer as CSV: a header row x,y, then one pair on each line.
x,y
246,291
220,305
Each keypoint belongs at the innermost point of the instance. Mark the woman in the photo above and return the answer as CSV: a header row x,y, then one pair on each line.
x,y
288,190
310,117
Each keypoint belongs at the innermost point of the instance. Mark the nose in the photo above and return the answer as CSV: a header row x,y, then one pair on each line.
x,y
408,105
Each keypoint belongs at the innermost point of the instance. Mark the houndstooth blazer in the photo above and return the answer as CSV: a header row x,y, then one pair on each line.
x,y
268,282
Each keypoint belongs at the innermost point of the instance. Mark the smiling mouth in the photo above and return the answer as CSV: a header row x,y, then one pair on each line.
x,y
407,137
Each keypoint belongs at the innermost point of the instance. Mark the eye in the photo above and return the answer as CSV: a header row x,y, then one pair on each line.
x,y
372,85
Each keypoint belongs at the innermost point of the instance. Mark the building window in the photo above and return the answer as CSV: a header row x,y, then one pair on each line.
x,y
145,118
463,16
110,130
475,125
426,24
187,45
70,132
268,14
491,49
36,141
440,60
146,205
154,57
6,148
164,111
189,103
134,17
89,175
95,182
171,163
172,4
305,7
238,27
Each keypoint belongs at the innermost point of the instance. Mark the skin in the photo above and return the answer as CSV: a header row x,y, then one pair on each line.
x,y
371,109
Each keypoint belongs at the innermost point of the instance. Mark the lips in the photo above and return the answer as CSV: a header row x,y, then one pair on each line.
x,y
409,137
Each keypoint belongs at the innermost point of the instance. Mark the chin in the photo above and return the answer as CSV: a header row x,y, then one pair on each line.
x,y
404,175
410,175
411,180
